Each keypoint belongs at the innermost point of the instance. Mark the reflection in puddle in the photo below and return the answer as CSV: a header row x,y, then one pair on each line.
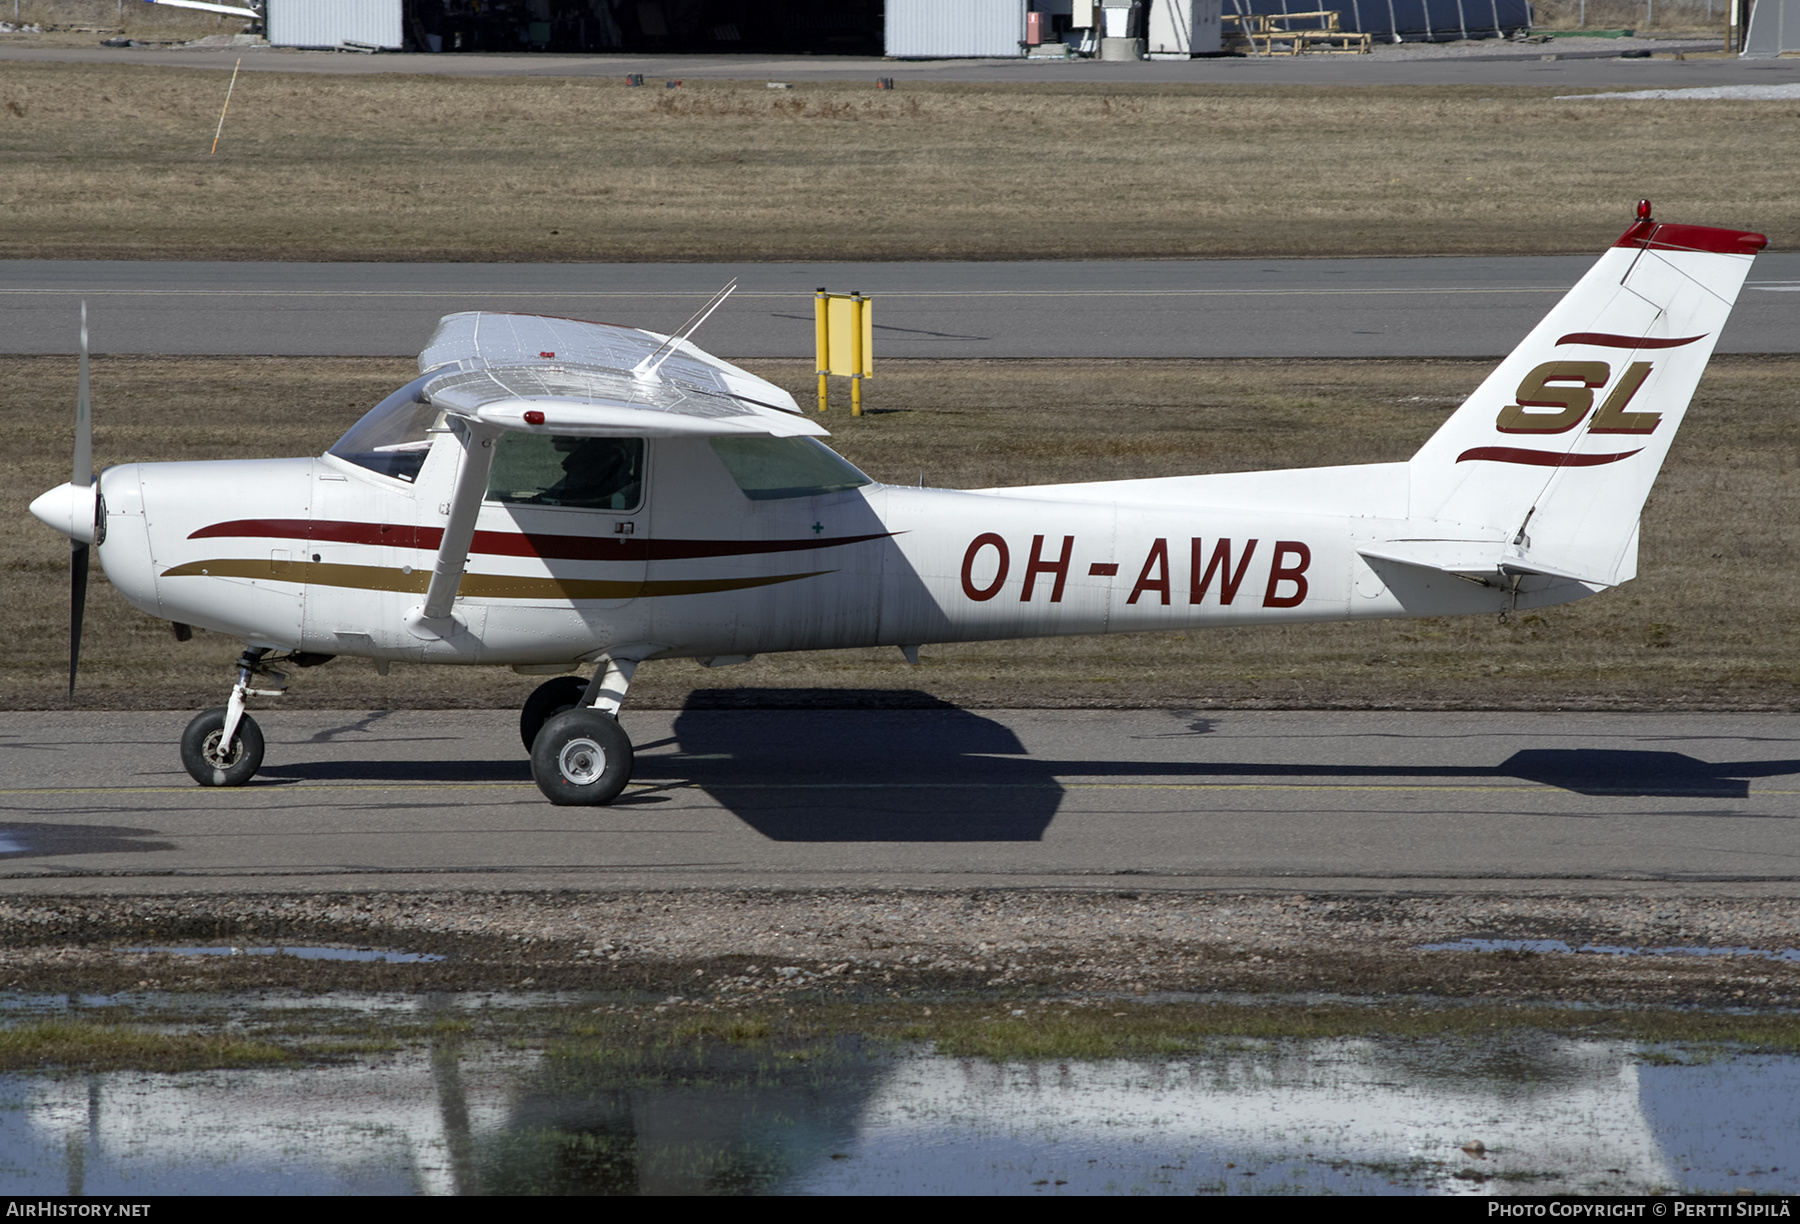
x,y
1352,1116
379,955
1557,945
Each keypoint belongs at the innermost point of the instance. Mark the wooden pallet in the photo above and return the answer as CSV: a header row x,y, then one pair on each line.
x,y
1336,42
1290,33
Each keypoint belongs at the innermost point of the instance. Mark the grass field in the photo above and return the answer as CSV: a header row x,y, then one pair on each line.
x,y
111,161
1707,625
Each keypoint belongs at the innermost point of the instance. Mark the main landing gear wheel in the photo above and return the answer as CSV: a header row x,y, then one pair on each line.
x,y
546,701
211,763
582,757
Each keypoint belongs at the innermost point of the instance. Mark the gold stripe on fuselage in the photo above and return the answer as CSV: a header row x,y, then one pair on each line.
x,y
477,586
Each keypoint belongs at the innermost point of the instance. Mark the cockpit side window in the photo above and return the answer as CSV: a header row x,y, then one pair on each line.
x,y
581,473
393,436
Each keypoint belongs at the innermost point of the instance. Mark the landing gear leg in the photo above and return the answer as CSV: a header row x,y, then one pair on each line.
x,y
612,679
582,756
224,746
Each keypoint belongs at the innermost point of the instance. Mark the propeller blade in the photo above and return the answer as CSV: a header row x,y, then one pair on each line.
x,y
83,476
78,573
84,421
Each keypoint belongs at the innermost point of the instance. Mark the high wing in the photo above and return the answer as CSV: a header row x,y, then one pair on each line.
x,y
224,10
583,379
535,374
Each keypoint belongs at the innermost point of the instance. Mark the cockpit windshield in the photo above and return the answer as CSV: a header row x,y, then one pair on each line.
x,y
394,435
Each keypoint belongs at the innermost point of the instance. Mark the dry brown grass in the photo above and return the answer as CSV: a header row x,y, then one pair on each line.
x,y
1708,624
80,22
110,161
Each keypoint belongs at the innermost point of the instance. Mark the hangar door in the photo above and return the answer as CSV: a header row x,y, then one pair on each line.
x,y
333,23
945,29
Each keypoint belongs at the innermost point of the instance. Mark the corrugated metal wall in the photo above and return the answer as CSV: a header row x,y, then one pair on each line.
x,y
1774,28
951,29
331,23
1410,20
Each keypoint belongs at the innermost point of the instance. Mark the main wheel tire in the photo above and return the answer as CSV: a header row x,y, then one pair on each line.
x,y
211,764
582,757
547,701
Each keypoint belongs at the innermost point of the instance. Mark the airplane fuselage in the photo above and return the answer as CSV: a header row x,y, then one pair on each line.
x,y
324,556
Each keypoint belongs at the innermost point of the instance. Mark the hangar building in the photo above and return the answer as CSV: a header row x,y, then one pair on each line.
x,y
834,27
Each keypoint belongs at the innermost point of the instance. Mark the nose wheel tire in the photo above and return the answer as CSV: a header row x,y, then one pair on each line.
x,y
581,757
546,701
209,761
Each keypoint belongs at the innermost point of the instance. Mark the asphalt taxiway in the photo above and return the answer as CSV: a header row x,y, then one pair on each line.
x,y
937,798
1141,309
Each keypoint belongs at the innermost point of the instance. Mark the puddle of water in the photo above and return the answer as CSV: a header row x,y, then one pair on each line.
x,y
1557,945
331,954
1355,1116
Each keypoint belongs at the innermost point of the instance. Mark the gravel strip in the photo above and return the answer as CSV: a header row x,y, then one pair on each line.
x,y
745,944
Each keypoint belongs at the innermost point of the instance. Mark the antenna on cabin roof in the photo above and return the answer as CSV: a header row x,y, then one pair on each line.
x,y
648,367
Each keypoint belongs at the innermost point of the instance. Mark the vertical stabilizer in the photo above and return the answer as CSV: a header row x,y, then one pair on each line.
x,y
1557,449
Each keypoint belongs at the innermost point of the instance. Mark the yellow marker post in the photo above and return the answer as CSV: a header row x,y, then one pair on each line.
x,y
844,333
821,345
856,353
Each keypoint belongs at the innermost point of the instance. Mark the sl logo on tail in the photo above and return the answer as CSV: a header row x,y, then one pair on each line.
x,y
1575,394
1558,395
1573,397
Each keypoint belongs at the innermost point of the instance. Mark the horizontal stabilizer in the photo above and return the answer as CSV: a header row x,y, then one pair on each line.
x,y
1489,561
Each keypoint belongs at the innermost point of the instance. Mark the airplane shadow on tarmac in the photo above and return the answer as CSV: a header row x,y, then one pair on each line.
x,y
895,766
45,840
843,765
1634,772
905,766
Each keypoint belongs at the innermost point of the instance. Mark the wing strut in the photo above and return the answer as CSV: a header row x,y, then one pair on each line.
x,y
432,619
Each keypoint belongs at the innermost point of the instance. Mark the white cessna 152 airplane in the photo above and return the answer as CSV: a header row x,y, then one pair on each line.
x,y
550,492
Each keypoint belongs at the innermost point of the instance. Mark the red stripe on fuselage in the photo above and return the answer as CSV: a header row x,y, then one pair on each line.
x,y
514,543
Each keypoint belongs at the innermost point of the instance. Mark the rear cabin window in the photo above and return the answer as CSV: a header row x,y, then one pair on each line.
x,y
768,469
580,473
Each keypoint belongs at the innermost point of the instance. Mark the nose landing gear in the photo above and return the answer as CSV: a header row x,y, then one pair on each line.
x,y
213,757
223,746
